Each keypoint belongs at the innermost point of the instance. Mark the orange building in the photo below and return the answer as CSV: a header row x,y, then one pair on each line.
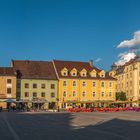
x,y
81,83
7,86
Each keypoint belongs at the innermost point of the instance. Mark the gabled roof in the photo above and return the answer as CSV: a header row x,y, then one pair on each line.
x,y
34,69
7,71
60,64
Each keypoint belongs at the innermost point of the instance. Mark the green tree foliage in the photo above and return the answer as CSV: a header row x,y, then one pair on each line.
x,y
121,96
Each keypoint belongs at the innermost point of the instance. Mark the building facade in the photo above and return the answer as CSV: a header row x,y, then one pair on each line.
x,y
37,83
128,78
81,83
7,86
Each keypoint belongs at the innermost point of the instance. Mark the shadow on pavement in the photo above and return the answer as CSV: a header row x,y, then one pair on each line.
x,y
57,126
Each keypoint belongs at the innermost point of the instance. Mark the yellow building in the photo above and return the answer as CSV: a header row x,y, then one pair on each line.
x,y
81,83
128,78
7,86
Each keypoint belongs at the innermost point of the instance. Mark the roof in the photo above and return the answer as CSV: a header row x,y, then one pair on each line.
x,y
34,69
136,59
121,68
7,71
79,66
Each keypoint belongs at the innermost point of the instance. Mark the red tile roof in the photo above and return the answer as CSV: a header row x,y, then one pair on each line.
x,y
79,66
7,71
34,69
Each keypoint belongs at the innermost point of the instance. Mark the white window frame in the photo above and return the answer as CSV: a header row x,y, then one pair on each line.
x,y
65,94
74,93
83,83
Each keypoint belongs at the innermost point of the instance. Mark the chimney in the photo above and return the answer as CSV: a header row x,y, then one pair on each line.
x,y
27,62
91,63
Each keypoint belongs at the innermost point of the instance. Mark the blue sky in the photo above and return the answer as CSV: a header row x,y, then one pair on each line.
x,y
66,29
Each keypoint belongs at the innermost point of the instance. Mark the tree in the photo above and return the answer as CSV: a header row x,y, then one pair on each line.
x,y
121,96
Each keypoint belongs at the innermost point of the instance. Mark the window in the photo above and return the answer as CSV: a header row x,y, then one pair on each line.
x,y
74,83
131,74
127,76
64,94
130,92
94,94
65,74
74,74
52,86
64,83
9,90
84,93
102,94
34,85
34,94
26,94
43,86
52,95
43,94
127,93
9,81
110,94
84,74
127,84
102,75
84,84
74,93
110,84
130,83
26,85
127,70
102,84
94,84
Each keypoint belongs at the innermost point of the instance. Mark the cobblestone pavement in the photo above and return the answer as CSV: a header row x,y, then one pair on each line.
x,y
70,126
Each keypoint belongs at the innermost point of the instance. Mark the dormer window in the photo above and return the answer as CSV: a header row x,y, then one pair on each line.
x,y
64,72
102,73
84,74
93,73
74,74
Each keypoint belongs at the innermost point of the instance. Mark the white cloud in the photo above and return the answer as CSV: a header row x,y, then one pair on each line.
x,y
125,57
135,41
98,59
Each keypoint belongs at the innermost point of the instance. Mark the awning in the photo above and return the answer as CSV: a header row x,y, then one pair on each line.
x,y
23,101
10,100
40,102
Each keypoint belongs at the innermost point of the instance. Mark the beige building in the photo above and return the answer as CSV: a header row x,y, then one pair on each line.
x,y
7,86
37,83
128,78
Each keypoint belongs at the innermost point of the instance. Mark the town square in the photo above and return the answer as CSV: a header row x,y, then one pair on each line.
x,y
69,69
